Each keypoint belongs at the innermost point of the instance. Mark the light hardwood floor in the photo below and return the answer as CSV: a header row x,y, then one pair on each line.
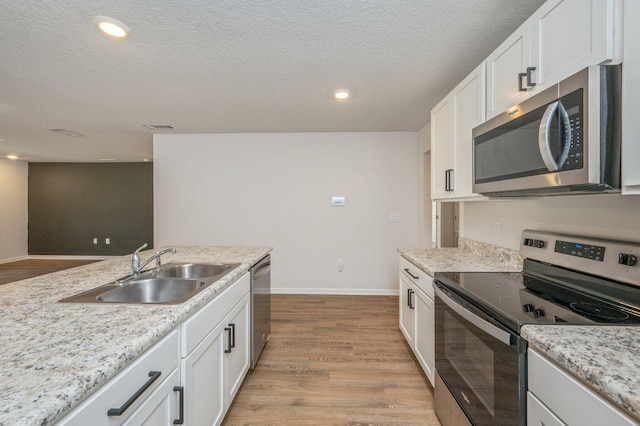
x,y
334,360
29,268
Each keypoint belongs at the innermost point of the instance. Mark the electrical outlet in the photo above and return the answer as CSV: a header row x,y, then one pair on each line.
x,y
497,227
107,240
340,265
395,217
95,241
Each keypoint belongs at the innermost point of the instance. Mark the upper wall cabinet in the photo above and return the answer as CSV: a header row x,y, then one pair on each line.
x,y
561,38
631,99
451,144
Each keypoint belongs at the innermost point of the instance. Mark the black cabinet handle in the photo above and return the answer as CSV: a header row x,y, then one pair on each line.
x,y
233,335
228,349
530,82
119,411
409,293
448,180
410,274
521,88
180,420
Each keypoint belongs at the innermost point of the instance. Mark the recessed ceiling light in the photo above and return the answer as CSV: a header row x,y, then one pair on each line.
x,y
146,160
106,159
341,94
12,157
111,27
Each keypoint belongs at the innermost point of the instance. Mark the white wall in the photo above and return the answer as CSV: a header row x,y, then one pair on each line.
x,y
424,186
13,209
276,189
606,215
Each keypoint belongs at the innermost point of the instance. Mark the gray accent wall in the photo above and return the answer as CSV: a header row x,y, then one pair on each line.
x,y
70,204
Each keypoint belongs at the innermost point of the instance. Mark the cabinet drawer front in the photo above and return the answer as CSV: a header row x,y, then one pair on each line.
x,y
568,398
163,357
423,281
200,324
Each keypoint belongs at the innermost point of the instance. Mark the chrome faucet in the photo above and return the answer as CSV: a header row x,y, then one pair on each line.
x,y
136,267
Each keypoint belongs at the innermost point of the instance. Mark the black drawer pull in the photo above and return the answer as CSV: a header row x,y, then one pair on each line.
x,y
119,411
180,420
410,274
233,335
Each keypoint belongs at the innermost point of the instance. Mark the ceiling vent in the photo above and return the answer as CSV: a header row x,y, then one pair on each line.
x,y
67,132
157,126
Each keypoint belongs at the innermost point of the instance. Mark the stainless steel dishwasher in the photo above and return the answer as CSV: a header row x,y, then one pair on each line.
x,y
260,307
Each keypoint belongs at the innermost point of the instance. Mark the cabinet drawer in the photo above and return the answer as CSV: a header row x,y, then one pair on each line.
x,y
163,357
573,402
423,281
196,328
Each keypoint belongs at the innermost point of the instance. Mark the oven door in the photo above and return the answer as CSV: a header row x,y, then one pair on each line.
x,y
482,365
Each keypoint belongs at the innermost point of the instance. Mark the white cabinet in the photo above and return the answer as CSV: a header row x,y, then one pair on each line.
x,y
555,397
631,99
148,390
417,314
452,121
237,352
559,39
215,354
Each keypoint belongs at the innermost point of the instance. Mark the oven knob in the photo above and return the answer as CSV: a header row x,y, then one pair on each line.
x,y
527,307
526,242
538,243
537,313
632,260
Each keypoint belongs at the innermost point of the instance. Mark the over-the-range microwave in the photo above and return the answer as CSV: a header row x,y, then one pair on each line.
x,y
564,140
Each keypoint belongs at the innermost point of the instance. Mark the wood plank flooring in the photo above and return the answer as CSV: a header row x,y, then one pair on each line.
x,y
29,268
334,360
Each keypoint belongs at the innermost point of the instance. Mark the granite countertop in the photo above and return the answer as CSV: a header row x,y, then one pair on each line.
x,y
470,256
54,354
607,358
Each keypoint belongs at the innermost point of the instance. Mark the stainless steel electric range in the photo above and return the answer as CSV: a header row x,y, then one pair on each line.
x,y
481,360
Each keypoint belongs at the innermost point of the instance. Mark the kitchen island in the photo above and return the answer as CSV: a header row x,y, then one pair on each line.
x,y
55,355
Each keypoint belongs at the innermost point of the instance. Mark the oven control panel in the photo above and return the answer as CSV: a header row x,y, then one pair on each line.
x,y
586,251
617,260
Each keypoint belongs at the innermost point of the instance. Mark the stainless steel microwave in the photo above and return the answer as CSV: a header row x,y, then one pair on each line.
x,y
564,140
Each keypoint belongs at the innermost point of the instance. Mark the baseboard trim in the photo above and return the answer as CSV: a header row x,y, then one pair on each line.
x,y
13,259
337,291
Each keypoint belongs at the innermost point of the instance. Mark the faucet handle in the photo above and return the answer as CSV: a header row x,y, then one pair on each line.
x,y
140,248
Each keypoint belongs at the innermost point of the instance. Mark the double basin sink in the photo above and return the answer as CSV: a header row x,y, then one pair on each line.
x,y
171,283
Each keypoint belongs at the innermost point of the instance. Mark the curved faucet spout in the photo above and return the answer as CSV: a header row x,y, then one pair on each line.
x,y
136,267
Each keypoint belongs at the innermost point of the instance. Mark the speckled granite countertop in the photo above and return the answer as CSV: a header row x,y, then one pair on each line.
x,y
53,355
607,358
470,256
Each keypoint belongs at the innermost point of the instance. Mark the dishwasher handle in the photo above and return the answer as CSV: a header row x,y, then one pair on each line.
x,y
497,333
261,270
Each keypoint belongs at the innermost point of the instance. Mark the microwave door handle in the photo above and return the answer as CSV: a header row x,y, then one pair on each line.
x,y
483,325
544,142
564,117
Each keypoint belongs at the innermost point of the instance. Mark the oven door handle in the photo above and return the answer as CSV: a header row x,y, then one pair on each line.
x,y
487,327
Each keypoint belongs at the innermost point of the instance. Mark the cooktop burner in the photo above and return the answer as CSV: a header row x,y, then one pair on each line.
x,y
598,311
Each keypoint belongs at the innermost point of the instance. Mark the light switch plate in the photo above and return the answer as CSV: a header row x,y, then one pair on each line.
x,y
337,201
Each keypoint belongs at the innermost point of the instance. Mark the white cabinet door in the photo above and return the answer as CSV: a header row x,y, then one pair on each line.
x,y
504,67
424,342
539,415
631,99
569,35
452,122
468,100
237,351
203,378
162,407
407,313
441,148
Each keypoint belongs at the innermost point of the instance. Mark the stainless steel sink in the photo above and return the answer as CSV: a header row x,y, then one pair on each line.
x,y
194,270
172,283
153,290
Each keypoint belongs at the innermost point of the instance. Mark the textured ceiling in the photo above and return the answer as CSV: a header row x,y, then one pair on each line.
x,y
211,66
